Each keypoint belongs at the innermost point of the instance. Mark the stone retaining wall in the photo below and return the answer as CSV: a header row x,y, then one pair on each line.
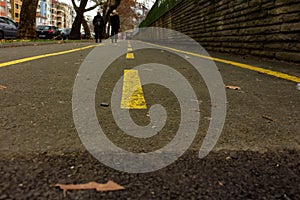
x,y
266,28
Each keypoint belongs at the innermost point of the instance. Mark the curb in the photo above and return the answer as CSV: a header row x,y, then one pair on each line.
x,y
21,44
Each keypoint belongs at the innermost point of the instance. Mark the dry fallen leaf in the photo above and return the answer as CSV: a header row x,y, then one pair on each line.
x,y
2,87
109,186
220,183
268,118
233,87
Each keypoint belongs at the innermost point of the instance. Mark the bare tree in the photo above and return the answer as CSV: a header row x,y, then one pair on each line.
x,y
81,9
79,19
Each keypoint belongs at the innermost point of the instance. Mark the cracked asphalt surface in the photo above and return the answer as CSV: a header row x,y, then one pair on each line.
x,y
256,157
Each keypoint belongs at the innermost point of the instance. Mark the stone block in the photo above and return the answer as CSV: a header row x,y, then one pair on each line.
x,y
263,53
285,2
290,27
288,56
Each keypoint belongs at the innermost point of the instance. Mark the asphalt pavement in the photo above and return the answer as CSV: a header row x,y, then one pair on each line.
x,y
45,139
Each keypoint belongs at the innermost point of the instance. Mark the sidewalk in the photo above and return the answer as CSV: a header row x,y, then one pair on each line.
x,y
16,43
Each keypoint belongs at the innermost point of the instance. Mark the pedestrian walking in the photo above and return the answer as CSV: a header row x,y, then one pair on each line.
x,y
98,23
115,26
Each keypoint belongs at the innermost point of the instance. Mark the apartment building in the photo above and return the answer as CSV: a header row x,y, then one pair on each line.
x,y
3,8
16,10
49,12
43,12
52,12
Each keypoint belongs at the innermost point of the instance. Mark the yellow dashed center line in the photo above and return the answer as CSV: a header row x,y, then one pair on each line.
x,y
129,56
5,64
129,44
237,64
132,94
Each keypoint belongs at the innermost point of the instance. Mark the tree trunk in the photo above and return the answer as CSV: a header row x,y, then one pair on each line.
x,y
86,29
26,27
108,8
75,32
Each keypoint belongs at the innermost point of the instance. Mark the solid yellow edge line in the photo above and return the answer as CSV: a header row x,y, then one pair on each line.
x,y
5,64
237,64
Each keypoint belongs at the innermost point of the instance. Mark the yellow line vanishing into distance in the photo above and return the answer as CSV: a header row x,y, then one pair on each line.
x,y
129,56
132,93
237,64
5,64
129,49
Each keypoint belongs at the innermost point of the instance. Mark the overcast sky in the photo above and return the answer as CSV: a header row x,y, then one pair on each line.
x,y
93,12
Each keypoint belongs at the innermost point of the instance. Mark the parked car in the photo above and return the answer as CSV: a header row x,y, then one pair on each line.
x,y
65,33
8,28
47,31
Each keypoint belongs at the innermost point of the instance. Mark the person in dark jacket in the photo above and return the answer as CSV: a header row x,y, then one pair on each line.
x,y
98,23
115,25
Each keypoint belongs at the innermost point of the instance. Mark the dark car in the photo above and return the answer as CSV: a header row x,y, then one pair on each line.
x,y
8,28
47,31
65,33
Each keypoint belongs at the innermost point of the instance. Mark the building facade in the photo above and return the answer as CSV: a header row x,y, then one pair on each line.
x,y
3,8
49,12
43,12
63,15
16,10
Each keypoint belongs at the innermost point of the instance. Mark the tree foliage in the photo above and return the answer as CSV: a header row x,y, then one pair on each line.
x,y
128,14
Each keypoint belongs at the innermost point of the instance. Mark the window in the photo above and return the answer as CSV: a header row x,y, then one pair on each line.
x,y
16,15
17,6
11,23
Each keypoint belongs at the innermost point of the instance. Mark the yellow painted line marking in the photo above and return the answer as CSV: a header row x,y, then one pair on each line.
x,y
129,46
5,64
132,94
129,49
237,64
129,56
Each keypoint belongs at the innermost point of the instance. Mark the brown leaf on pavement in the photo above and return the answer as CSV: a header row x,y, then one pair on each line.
x,y
2,87
109,186
233,87
268,118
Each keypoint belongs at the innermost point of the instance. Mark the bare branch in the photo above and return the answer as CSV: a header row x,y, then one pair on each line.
x,y
93,7
74,5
